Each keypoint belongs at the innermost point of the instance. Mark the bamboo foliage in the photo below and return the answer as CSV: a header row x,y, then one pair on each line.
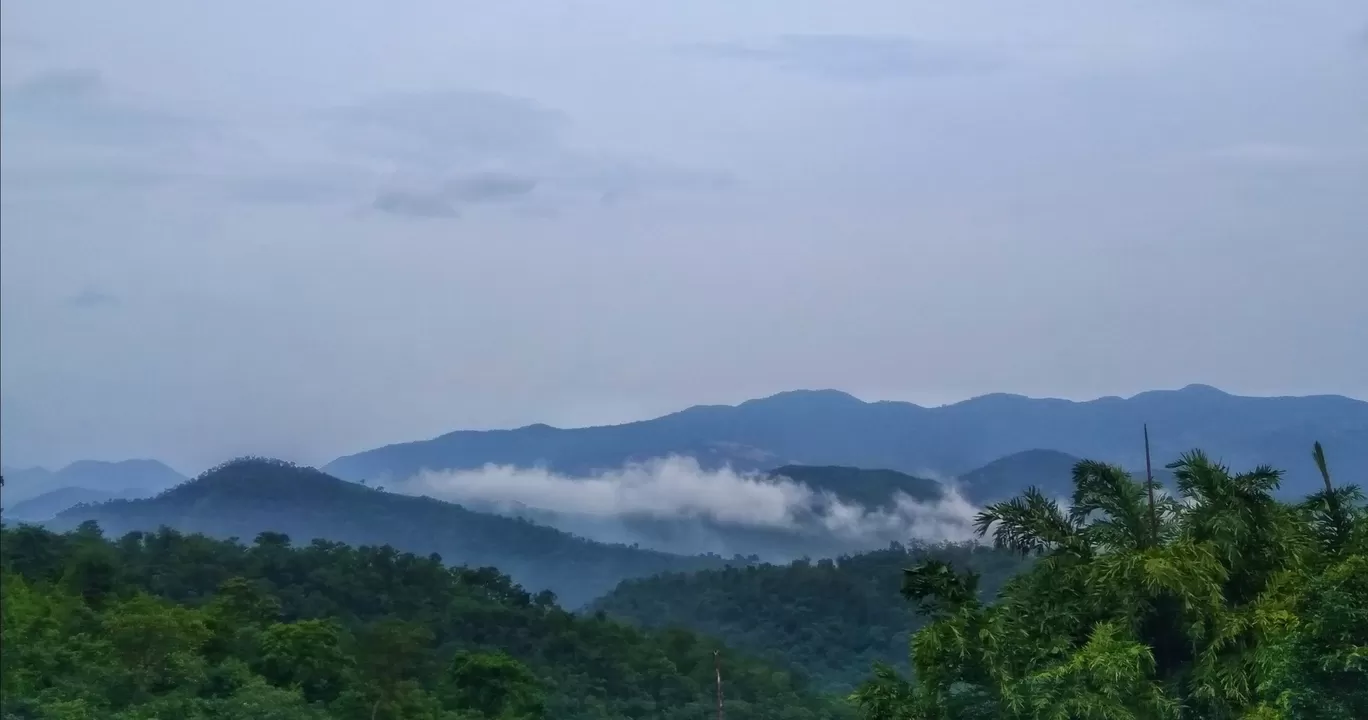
x,y
1220,602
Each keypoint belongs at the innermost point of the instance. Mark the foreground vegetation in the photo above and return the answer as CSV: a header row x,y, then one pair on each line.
x,y
1219,603
169,626
829,619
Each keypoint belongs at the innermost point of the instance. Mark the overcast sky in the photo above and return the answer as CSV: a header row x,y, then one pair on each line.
x,y
304,229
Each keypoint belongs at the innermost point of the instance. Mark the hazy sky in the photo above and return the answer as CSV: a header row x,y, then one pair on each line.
x,y
304,229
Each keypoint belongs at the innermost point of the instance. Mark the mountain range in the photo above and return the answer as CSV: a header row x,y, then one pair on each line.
x,y
99,479
832,428
862,453
52,502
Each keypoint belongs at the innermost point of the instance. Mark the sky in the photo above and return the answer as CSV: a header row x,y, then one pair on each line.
x,y
306,229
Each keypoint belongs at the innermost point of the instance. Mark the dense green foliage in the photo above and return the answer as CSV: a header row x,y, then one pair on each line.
x,y
828,619
1219,603
249,496
166,625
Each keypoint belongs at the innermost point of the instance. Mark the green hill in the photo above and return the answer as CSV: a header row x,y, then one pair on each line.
x,y
246,497
829,619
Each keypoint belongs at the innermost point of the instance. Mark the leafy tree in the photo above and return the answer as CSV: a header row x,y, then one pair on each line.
x,y
826,621
495,686
307,654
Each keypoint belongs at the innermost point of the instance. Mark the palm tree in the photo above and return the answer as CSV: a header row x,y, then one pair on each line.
x,y
1331,511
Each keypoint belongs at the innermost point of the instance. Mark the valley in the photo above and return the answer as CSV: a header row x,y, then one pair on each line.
x,y
818,591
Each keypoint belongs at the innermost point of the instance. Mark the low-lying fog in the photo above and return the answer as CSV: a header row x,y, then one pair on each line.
x,y
672,504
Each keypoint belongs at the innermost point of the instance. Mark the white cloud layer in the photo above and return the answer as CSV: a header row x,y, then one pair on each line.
x,y
677,489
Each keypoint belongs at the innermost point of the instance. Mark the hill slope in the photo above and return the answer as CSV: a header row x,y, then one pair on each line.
x,y
871,488
829,619
51,503
831,428
246,497
1004,478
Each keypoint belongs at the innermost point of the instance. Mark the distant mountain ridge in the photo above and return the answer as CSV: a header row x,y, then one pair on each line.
x,y
832,428
51,503
113,478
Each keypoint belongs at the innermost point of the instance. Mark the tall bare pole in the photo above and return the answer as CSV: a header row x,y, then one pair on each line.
x,y
717,666
1149,487
1318,454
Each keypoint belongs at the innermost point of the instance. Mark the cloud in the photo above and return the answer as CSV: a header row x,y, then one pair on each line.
x,y
677,489
306,185
490,187
91,298
853,57
442,151
414,204
77,106
70,129
446,200
424,154
446,129
60,87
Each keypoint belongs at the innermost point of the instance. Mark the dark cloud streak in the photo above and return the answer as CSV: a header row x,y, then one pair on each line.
x,y
413,204
91,298
852,57
77,106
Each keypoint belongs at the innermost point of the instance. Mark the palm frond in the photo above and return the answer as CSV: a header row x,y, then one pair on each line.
x,y
1029,523
1120,502
938,589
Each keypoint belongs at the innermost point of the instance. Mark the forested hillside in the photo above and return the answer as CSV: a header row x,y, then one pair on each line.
x,y
164,625
829,619
871,488
1219,603
250,496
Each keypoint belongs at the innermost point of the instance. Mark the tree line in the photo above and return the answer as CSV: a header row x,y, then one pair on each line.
x,y
162,625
